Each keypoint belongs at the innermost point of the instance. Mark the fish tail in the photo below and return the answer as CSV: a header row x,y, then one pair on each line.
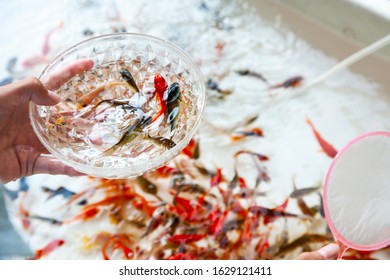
x,y
309,122
316,133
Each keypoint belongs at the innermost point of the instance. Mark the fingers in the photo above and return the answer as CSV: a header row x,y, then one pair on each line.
x,y
21,92
328,252
15,94
310,256
32,162
55,80
48,164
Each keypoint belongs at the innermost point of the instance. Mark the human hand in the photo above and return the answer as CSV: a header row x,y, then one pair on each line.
x,y
21,152
328,252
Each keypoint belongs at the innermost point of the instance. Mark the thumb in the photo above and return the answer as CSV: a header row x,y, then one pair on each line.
x,y
21,92
328,252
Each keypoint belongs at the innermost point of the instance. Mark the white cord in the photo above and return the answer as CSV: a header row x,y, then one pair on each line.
x,y
347,62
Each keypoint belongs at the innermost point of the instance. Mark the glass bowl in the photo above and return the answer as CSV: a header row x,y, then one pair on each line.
x,y
135,110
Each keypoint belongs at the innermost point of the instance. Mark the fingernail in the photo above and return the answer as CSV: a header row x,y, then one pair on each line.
x,y
54,97
330,251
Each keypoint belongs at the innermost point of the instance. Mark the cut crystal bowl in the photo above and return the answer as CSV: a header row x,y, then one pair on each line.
x,y
133,111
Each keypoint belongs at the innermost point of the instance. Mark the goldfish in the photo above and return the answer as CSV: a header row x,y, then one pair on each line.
x,y
25,215
45,219
289,83
269,214
48,249
126,75
301,241
64,192
252,74
14,194
88,98
305,209
259,156
217,178
163,142
166,171
111,201
43,57
35,60
213,85
172,97
258,132
304,191
192,149
85,215
158,217
298,194
180,239
160,86
132,132
182,256
183,207
328,148
148,187
118,241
